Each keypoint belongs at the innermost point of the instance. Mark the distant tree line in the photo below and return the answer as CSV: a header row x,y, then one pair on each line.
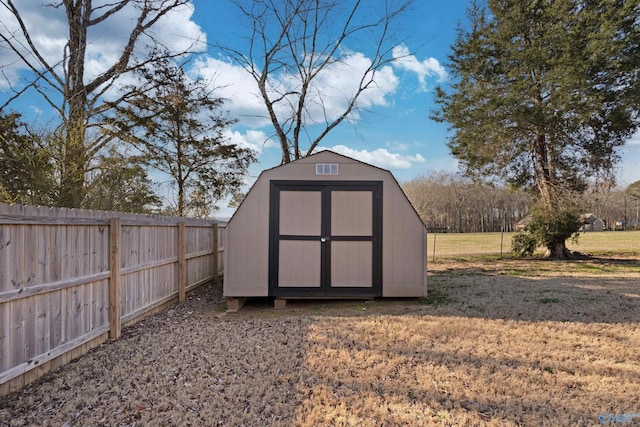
x,y
451,203
618,207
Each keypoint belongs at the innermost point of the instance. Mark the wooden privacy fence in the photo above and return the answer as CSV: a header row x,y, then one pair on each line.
x,y
70,279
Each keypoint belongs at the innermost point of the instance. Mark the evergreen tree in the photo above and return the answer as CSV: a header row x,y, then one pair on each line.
x,y
178,126
27,166
544,93
120,183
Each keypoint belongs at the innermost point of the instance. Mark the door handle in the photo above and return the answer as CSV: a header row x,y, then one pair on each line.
x,y
322,239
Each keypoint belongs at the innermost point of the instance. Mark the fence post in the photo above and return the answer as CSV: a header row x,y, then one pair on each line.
x,y
115,278
216,267
434,245
182,276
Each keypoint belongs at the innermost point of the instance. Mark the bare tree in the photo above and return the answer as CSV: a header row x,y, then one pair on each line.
x,y
299,41
450,202
75,95
633,191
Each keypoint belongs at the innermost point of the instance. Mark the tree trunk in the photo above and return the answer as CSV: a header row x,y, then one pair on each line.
x,y
559,251
180,199
72,178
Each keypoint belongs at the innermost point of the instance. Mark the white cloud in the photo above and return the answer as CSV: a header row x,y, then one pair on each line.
x,y
237,86
380,157
254,139
338,83
328,97
429,67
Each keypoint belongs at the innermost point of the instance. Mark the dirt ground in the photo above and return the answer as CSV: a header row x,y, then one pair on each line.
x,y
496,343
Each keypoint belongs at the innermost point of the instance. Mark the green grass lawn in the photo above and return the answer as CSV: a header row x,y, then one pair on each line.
x,y
454,244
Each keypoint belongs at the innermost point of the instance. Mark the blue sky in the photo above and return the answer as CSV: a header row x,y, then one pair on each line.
x,y
396,132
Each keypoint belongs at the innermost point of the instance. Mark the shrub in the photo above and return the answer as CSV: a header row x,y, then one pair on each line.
x,y
523,244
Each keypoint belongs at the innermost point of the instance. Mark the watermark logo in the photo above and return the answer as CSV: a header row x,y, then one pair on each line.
x,y
607,418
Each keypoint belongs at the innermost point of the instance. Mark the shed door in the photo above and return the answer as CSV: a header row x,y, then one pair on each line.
x,y
325,239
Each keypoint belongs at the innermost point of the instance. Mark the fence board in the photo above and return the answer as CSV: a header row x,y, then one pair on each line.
x,y
56,319
5,337
43,334
30,327
214,243
5,242
16,334
16,257
42,256
182,273
115,264
59,242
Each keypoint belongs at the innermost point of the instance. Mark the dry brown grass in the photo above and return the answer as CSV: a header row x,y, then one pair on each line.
x,y
501,343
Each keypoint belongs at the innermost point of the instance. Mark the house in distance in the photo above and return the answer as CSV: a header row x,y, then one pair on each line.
x,y
324,226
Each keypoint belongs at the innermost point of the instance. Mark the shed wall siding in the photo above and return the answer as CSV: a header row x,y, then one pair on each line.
x,y
405,262
247,251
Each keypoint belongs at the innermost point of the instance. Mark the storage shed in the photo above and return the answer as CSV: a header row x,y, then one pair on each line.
x,y
324,226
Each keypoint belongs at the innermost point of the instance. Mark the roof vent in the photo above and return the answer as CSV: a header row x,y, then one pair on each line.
x,y
326,169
